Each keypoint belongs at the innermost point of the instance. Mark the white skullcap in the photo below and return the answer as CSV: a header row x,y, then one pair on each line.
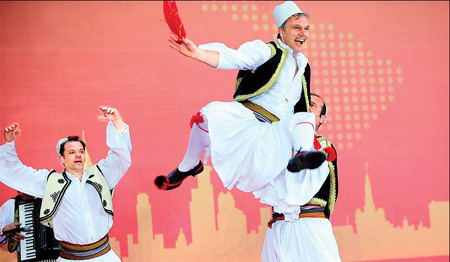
x,y
60,142
285,10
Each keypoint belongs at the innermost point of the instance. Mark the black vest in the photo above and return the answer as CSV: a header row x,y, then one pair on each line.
x,y
329,190
251,83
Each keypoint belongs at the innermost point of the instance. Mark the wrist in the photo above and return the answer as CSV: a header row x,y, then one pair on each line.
x,y
116,120
119,125
9,143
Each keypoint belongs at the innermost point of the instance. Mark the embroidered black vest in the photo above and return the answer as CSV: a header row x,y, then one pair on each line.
x,y
328,193
251,83
57,185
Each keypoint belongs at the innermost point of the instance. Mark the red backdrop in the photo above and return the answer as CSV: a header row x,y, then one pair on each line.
x,y
382,67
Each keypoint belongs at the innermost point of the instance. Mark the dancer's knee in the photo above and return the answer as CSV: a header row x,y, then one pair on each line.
x,y
302,120
303,133
305,125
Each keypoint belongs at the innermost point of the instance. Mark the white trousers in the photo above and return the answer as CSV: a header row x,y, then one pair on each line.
x,y
301,240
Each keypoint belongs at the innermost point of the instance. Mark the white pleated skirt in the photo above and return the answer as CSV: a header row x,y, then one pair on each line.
x,y
249,154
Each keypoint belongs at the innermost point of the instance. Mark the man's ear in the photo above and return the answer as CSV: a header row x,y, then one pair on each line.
x,y
62,160
323,119
281,32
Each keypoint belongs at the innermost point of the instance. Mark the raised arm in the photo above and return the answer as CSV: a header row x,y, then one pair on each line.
x,y
13,173
189,49
111,114
118,160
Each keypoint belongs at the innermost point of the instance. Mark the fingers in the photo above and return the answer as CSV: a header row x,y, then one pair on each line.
x,y
17,237
13,225
185,46
174,44
188,42
109,114
12,128
174,47
11,133
176,40
107,110
174,37
9,227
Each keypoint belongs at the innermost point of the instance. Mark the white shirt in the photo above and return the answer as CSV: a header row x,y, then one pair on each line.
x,y
6,216
80,218
281,98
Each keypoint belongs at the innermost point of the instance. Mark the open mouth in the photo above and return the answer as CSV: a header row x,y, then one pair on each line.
x,y
301,41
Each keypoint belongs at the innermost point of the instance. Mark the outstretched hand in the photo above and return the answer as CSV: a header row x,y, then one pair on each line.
x,y
11,133
185,46
112,114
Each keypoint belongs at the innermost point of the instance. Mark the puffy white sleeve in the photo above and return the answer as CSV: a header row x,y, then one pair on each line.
x,y
248,56
118,160
16,175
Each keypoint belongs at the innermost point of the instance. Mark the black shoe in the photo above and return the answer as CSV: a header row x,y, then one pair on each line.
x,y
176,177
306,160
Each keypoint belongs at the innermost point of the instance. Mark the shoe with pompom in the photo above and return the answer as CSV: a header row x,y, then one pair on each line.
x,y
176,177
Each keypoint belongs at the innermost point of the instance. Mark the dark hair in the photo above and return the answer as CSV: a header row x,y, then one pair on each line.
x,y
71,139
324,107
297,15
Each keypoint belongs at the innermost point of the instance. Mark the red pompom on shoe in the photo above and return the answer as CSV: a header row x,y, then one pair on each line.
x,y
331,153
176,177
161,182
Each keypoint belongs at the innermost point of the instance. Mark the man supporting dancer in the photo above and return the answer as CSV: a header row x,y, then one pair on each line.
x,y
78,201
251,139
310,237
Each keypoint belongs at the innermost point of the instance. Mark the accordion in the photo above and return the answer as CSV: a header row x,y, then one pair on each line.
x,y
39,244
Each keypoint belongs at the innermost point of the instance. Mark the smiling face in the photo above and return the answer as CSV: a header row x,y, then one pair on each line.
x,y
295,32
73,156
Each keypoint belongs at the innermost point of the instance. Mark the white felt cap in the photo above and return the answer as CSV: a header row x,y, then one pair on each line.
x,y
60,142
285,10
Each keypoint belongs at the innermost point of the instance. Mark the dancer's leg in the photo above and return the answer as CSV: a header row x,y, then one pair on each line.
x,y
303,136
198,141
191,164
